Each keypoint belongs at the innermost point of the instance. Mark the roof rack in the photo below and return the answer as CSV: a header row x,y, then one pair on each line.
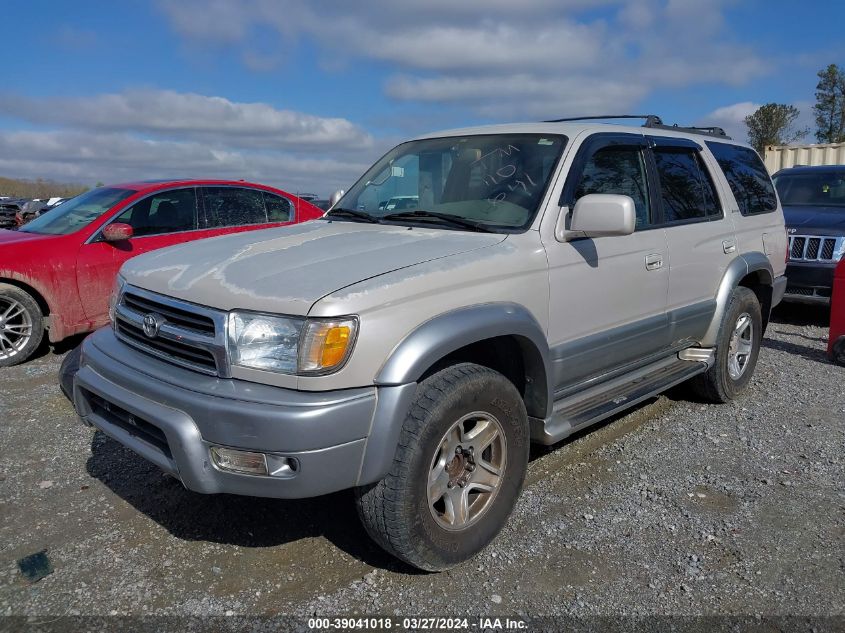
x,y
651,121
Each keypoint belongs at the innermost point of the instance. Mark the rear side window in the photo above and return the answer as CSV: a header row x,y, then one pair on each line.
x,y
747,177
687,192
233,206
278,208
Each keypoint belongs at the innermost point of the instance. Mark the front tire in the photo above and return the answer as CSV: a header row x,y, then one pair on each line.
x,y
457,473
737,349
21,325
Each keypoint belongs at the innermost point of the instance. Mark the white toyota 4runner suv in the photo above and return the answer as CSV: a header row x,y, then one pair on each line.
x,y
547,276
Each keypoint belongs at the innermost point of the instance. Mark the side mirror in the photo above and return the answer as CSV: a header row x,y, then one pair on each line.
x,y
337,195
117,232
603,215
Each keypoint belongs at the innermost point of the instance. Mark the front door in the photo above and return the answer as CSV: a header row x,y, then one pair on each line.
x,y
607,294
161,219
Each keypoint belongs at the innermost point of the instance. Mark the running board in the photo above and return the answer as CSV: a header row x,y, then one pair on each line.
x,y
602,401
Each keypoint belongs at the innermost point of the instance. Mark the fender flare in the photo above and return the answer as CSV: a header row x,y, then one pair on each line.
x,y
432,341
737,270
448,332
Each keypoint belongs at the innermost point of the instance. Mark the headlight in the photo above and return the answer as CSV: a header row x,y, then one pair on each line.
x,y
290,345
119,282
262,341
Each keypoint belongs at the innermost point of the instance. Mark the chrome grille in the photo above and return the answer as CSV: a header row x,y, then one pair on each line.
x,y
189,335
812,248
173,314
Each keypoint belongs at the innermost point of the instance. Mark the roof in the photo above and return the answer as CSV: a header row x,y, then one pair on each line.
x,y
812,169
571,129
141,185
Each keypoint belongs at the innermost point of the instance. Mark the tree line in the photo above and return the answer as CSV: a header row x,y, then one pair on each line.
x,y
17,188
774,123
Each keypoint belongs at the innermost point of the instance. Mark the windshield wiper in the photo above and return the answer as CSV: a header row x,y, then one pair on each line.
x,y
455,220
353,214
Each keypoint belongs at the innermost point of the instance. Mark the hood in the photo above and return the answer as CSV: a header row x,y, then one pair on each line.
x,y
815,219
20,237
286,270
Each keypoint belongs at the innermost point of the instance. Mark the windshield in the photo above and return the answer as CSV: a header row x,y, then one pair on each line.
x,y
76,213
496,181
813,189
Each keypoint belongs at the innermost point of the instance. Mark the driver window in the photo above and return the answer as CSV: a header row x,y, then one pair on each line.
x,y
164,212
619,170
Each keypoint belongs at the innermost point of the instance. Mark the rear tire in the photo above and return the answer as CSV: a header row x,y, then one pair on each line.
x,y
457,473
737,349
21,325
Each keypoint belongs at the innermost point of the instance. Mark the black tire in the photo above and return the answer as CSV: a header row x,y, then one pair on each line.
x,y
838,352
717,384
15,348
396,511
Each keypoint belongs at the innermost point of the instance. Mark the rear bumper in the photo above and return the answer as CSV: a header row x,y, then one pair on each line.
x,y
172,417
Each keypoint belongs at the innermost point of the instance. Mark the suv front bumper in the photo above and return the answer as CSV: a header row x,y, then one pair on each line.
x,y
173,416
809,282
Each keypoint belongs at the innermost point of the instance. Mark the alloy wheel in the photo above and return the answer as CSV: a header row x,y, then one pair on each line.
x,y
466,471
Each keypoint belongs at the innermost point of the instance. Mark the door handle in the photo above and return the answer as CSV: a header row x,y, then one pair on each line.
x,y
654,261
729,246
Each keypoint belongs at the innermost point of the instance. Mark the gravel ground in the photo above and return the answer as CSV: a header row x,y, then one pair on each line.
x,y
678,508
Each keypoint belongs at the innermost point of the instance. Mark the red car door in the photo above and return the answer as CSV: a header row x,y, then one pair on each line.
x,y
161,219
171,217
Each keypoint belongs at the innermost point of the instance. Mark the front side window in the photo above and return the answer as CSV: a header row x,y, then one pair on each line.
x,y
618,170
747,176
495,181
163,212
233,206
77,213
818,189
686,190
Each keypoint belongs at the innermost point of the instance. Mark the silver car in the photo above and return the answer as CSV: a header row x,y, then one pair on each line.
x,y
546,276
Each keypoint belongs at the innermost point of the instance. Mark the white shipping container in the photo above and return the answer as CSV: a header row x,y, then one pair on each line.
x,y
782,156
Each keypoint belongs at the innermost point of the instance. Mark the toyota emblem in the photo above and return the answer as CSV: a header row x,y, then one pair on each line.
x,y
152,324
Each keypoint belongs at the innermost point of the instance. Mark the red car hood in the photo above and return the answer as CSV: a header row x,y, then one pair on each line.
x,y
19,237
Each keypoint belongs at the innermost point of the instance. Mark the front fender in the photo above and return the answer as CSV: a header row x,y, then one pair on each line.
x,y
446,333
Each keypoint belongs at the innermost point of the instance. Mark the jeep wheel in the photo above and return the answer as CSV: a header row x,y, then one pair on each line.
x,y
457,473
736,350
21,325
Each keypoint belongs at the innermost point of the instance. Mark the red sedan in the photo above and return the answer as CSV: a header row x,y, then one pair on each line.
x,y
56,273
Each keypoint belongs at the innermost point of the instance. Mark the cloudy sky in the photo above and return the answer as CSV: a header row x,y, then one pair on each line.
x,y
306,94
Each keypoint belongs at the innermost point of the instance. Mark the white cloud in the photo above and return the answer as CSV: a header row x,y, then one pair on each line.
x,y
732,118
188,115
434,49
71,156
540,99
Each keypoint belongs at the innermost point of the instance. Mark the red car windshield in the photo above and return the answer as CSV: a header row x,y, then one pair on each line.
x,y
76,213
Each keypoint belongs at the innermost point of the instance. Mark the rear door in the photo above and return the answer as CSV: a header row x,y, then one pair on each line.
x,y
701,237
